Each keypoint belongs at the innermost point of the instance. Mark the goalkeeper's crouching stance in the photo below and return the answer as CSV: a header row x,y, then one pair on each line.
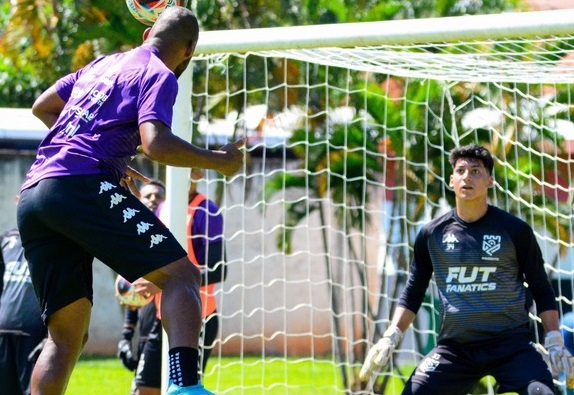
x,y
480,257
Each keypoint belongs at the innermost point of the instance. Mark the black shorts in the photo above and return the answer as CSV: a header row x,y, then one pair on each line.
x,y
455,369
66,221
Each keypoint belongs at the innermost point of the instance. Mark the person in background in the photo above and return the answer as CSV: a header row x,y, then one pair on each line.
x,y
22,331
206,250
73,206
480,257
152,195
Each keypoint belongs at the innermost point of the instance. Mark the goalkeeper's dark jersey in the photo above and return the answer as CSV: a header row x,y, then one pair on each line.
x,y
480,269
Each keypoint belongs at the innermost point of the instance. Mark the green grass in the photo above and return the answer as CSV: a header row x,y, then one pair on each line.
x,y
227,376
96,376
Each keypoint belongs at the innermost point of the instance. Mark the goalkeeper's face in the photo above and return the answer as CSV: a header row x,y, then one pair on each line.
x,y
470,179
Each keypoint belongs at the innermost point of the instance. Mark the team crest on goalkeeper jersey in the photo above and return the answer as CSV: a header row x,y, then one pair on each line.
x,y
491,244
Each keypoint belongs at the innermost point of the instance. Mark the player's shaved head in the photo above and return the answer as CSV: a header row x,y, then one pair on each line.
x,y
176,23
174,34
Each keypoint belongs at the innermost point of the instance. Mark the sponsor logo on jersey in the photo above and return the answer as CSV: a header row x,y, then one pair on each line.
x,y
16,272
470,279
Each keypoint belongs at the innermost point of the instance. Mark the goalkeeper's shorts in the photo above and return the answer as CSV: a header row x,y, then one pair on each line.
x,y
456,369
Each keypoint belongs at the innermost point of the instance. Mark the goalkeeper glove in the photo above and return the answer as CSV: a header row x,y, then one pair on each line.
x,y
125,350
560,359
380,353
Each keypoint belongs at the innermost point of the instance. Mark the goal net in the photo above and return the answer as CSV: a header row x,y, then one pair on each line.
x,y
347,157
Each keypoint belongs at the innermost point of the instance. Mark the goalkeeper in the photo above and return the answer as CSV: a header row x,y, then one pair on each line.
x,y
480,256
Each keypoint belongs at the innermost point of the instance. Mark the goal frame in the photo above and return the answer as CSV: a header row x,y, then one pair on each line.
x,y
428,30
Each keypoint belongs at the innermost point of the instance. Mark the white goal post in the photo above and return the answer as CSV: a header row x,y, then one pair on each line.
x,y
349,127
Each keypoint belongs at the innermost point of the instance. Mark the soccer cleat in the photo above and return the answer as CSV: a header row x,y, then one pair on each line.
x,y
197,389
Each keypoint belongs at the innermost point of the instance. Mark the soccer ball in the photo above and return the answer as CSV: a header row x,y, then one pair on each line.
x,y
147,11
128,296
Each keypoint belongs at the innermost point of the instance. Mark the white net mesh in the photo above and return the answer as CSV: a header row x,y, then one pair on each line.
x,y
347,159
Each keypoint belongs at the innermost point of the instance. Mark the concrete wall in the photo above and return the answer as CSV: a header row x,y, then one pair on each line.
x,y
270,301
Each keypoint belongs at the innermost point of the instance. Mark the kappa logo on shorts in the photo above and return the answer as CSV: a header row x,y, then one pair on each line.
x,y
143,227
156,239
429,364
106,186
116,199
129,213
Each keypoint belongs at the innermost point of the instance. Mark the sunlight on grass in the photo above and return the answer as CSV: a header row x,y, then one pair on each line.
x,y
97,376
255,376
229,376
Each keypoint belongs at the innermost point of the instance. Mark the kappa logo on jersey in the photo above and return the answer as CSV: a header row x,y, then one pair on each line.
x,y
429,364
449,240
106,186
143,227
116,199
470,279
156,239
491,244
129,213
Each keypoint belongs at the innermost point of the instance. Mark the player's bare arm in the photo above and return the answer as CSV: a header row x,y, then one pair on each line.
x,y
403,318
550,320
161,145
48,106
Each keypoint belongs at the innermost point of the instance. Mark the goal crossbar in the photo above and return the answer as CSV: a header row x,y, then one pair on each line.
x,y
410,31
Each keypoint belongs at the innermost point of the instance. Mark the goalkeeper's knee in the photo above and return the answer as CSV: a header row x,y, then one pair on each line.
x,y
538,388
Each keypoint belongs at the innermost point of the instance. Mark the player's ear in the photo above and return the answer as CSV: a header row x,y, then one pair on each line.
x,y
450,181
190,49
146,33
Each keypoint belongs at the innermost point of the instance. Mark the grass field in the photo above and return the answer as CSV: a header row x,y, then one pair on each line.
x,y
230,376
249,375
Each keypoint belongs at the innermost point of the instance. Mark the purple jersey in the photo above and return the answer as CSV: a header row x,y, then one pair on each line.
x,y
97,131
207,228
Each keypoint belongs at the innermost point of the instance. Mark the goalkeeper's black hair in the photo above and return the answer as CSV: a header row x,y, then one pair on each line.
x,y
473,151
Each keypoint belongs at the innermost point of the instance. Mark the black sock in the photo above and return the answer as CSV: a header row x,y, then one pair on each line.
x,y
183,366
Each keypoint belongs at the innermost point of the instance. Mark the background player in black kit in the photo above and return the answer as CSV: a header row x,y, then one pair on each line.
x,y
480,257
22,330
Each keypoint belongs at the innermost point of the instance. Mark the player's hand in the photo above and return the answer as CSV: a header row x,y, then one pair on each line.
x,y
128,181
234,156
560,359
126,356
380,354
35,353
145,287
